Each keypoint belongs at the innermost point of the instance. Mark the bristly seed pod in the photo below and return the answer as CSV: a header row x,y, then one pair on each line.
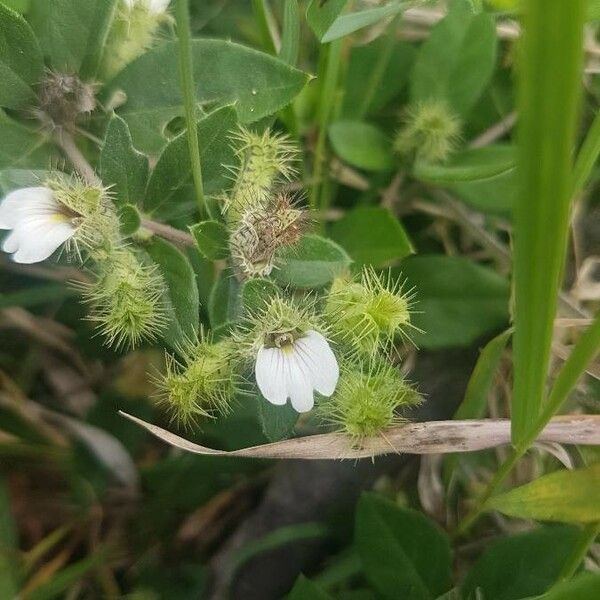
x,y
64,99
126,299
367,315
430,132
261,232
202,384
263,161
367,400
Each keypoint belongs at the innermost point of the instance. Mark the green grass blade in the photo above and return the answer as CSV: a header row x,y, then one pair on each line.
x,y
550,88
587,157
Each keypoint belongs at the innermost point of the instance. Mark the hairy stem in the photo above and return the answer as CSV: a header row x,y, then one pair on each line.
x,y
182,18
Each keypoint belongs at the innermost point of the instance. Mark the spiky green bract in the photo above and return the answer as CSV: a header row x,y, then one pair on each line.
x,y
367,399
430,132
279,319
132,32
202,384
367,315
90,211
126,299
264,159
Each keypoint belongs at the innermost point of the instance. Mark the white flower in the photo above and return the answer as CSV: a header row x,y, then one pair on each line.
x,y
294,368
156,7
37,222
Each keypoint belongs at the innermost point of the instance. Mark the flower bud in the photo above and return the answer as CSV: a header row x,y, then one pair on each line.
x,y
132,32
367,400
126,299
202,384
430,132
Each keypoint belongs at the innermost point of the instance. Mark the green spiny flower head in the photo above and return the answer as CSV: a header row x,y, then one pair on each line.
x,y
264,159
203,383
126,299
132,32
89,210
430,132
367,400
278,322
368,315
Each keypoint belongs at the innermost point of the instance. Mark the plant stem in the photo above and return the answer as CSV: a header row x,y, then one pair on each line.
x,y
182,19
589,533
66,143
331,71
169,233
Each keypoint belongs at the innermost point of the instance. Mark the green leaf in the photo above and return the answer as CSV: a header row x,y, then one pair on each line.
x,y
474,403
404,554
313,262
223,302
130,219
258,84
121,166
457,60
256,292
211,239
372,235
456,301
570,496
321,15
21,63
473,164
21,146
181,293
347,24
364,63
173,170
548,118
36,295
521,565
362,145
495,195
584,587
304,589
277,422
72,33
12,179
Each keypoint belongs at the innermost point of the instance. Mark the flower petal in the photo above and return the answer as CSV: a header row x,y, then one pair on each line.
x,y
39,239
26,203
314,350
11,242
158,6
271,376
300,385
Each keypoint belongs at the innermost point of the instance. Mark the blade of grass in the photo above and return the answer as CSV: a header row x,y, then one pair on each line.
x,y
574,367
182,19
550,89
262,14
587,156
290,36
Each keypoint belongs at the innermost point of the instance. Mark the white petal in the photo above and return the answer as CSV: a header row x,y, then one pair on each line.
x,y
270,375
11,242
300,385
26,203
313,349
39,240
158,6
